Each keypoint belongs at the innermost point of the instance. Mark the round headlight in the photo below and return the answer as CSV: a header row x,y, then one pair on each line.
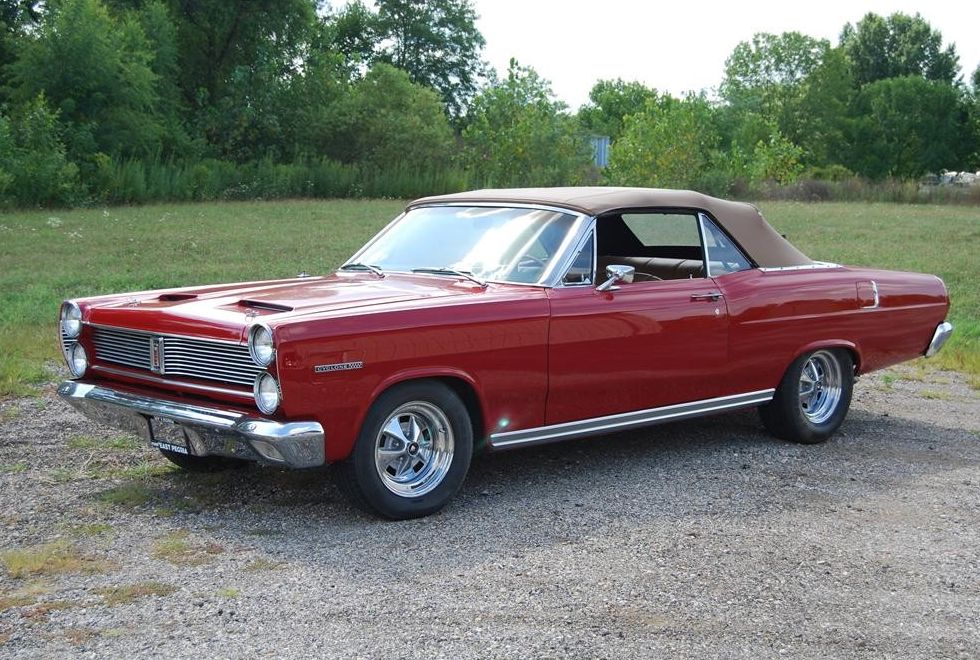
x,y
260,345
71,320
77,361
267,395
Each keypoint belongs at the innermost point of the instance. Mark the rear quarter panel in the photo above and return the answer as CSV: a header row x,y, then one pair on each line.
x,y
778,315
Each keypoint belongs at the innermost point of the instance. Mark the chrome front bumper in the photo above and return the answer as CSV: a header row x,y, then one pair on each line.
x,y
208,431
939,337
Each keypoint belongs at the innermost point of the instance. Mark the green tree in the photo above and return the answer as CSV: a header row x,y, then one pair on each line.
x,y
818,118
218,40
669,144
350,32
161,34
899,45
767,83
519,135
973,162
17,18
436,42
610,102
33,167
235,61
776,159
765,74
96,72
905,127
393,121
257,114
318,101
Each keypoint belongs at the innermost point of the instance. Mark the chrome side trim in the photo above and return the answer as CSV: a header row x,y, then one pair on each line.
x,y
624,421
816,265
939,338
209,431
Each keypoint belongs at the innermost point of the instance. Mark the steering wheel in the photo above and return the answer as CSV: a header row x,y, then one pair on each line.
x,y
527,262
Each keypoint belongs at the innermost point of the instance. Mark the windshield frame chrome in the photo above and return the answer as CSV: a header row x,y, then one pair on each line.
x,y
557,266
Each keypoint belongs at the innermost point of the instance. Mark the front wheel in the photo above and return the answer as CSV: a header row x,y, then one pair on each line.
x,y
412,453
813,398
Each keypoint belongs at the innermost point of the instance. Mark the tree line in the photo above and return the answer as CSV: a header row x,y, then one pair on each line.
x,y
108,101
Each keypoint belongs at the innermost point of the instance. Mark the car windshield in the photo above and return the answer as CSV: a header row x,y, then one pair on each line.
x,y
490,243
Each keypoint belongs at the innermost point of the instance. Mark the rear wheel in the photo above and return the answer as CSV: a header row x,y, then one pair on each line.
x,y
813,398
412,453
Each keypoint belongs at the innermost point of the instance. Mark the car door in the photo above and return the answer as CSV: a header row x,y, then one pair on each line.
x,y
639,345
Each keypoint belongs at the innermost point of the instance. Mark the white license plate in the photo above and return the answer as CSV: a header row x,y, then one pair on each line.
x,y
168,435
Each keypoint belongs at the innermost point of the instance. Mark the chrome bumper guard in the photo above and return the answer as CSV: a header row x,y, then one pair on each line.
x,y
939,337
208,431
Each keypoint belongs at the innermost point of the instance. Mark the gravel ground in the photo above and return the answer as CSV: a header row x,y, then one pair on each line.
x,y
703,538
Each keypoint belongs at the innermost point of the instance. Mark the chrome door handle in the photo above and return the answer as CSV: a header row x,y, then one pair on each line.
x,y
710,295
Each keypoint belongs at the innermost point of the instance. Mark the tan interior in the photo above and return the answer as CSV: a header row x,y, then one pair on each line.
x,y
660,268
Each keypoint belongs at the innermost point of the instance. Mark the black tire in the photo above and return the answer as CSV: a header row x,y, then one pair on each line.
x,y
428,405
203,463
807,418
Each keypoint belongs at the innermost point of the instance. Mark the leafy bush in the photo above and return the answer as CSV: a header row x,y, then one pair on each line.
x,y
668,145
134,182
33,168
828,173
393,121
95,70
519,135
776,160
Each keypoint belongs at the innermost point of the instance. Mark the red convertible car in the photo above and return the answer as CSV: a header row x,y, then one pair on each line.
x,y
498,319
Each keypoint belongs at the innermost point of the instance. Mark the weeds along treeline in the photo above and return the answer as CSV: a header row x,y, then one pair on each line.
x,y
128,101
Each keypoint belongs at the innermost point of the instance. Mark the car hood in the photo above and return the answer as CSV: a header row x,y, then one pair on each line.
x,y
225,312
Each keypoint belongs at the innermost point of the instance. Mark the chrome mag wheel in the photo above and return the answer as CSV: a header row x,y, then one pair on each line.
x,y
820,386
414,449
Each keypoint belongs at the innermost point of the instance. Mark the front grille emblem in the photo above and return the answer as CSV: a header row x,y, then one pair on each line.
x,y
156,354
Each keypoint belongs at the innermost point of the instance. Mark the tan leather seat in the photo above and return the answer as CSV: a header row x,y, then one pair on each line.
x,y
661,267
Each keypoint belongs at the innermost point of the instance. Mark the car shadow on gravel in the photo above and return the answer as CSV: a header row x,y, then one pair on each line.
x,y
668,475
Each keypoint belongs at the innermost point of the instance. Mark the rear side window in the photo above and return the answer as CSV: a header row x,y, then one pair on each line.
x,y
723,255
664,229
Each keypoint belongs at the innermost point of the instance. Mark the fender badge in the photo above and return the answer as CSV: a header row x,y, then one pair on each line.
x,y
340,366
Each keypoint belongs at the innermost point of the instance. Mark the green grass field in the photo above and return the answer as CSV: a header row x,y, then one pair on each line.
x,y
47,256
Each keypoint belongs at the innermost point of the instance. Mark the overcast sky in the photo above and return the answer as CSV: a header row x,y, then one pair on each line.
x,y
679,45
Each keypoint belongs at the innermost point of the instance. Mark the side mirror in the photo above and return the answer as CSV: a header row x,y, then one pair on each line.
x,y
615,275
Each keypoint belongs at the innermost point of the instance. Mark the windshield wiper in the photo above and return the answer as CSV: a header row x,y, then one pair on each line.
x,y
446,270
358,266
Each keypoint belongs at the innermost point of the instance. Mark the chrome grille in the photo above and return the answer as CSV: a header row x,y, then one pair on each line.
x,y
67,343
178,356
230,363
122,347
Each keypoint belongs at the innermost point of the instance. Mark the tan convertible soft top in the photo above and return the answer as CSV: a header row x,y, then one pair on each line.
x,y
743,221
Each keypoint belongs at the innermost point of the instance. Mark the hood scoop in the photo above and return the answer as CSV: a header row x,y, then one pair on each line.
x,y
176,297
267,306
